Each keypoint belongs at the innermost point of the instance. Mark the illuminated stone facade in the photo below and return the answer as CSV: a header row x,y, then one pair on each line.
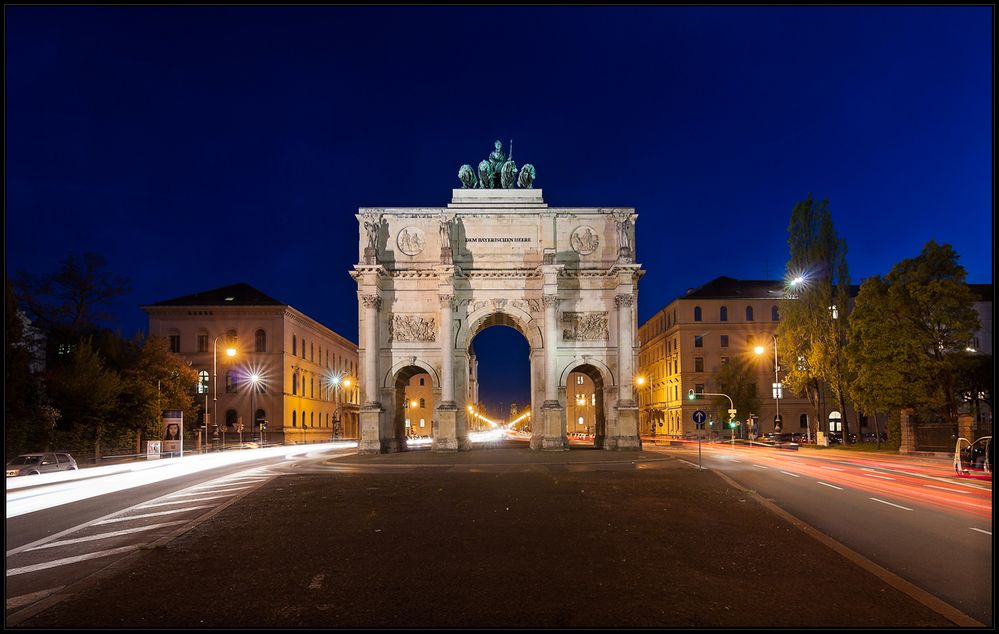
x,y
295,357
430,279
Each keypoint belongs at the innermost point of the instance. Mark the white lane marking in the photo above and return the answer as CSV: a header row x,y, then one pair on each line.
x,y
184,495
831,486
91,538
690,463
833,468
230,483
144,515
981,531
214,497
871,475
25,599
734,460
791,474
933,486
760,466
890,504
71,560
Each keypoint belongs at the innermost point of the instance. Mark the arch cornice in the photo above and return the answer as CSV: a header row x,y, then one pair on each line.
x,y
590,360
389,379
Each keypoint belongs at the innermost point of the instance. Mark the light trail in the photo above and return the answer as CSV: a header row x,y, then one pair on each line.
x,y
27,494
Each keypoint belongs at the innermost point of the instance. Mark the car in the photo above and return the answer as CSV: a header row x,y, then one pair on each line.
x,y
974,456
36,463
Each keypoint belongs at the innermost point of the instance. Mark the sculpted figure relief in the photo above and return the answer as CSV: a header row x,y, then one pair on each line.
x,y
585,326
412,328
584,240
411,241
622,218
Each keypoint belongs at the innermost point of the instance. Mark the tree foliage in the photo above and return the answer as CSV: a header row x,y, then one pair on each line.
x,y
908,335
737,379
811,334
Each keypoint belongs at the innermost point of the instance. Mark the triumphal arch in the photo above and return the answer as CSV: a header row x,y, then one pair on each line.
x,y
430,279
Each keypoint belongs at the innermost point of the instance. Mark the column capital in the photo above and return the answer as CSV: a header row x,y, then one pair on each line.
x,y
550,300
372,301
446,300
624,299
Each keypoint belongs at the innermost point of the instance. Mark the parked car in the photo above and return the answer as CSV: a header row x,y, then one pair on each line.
x,y
35,463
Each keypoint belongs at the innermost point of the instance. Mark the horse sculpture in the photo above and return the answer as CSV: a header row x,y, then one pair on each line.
x,y
497,172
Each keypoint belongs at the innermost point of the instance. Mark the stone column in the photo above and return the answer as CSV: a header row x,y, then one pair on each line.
x,y
446,436
372,438
554,438
627,411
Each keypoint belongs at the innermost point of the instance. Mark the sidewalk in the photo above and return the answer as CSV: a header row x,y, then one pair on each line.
x,y
492,538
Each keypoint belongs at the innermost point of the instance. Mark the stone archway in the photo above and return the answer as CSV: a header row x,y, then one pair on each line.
x,y
429,279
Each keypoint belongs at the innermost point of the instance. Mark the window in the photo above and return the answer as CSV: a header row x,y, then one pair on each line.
x,y
293,423
724,360
698,364
697,313
231,418
698,388
294,383
773,314
231,382
423,422
593,398
202,343
303,419
723,313
203,382
312,387
579,379
698,341
423,402
749,313
260,341
294,345
724,341
803,421
422,379
231,339
312,419
312,352
174,343
303,347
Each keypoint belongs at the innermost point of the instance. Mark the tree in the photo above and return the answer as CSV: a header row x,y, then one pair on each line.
x,y
811,334
74,301
159,380
908,335
86,392
29,420
737,379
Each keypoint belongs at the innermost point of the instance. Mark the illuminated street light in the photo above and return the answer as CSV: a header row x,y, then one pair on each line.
x,y
640,380
254,382
230,352
777,387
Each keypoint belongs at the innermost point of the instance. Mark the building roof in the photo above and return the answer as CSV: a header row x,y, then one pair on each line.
x,y
725,287
241,294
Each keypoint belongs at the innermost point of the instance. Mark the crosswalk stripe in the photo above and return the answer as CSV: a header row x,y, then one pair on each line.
x,y
71,560
91,538
144,515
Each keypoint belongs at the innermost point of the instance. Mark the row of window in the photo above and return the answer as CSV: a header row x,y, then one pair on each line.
x,y
346,365
231,340
723,313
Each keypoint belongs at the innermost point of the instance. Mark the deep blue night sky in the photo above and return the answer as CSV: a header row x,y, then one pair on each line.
x,y
199,147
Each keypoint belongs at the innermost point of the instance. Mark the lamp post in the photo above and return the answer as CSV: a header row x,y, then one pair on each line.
x,y
254,382
778,388
337,380
640,381
231,352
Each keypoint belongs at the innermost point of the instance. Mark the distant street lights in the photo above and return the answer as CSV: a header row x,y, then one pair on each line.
x,y
231,352
777,387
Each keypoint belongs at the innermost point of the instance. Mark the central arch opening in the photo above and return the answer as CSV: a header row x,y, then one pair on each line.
x,y
585,418
498,396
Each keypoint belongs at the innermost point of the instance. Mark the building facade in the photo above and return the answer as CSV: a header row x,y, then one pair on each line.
x,y
685,343
287,371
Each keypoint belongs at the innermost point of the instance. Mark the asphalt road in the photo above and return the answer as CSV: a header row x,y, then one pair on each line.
x,y
488,538
916,519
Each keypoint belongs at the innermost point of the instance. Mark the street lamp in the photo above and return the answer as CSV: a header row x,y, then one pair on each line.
x,y
337,380
230,352
640,381
254,382
778,388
